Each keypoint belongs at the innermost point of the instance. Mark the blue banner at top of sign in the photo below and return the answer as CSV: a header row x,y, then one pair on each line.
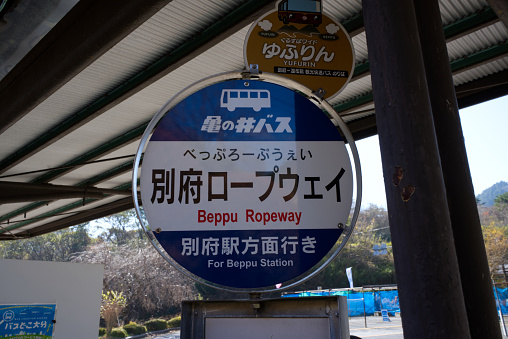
x,y
240,110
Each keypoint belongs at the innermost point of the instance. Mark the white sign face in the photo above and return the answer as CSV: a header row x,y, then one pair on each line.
x,y
245,184
241,191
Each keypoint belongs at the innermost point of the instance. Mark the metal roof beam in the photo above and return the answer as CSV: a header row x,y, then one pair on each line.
x,y
17,198
494,53
354,25
106,148
76,219
358,102
363,128
473,22
487,55
484,56
88,182
90,29
455,30
231,23
497,51
481,90
478,20
15,192
55,212
189,49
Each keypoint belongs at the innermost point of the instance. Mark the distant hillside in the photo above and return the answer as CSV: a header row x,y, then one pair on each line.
x,y
487,197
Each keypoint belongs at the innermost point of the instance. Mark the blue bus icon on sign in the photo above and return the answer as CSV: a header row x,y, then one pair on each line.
x,y
245,98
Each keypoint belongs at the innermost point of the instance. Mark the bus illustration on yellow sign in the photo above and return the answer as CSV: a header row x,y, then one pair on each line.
x,y
301,12
298,41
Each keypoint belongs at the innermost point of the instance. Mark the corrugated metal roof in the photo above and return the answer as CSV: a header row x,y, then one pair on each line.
x,y
342,10
101,112
452,10
477,41
481,71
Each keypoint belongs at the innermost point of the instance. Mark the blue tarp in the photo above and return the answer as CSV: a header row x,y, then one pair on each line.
x,y
375,301
502,299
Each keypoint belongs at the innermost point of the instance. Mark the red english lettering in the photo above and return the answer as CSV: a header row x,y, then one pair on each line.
x,y
249,214
201,216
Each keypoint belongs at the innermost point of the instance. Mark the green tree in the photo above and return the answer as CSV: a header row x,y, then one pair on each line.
x,y
494,222
368,269
487,196
119,228
496,246
376,218
501,200
500,208
55,246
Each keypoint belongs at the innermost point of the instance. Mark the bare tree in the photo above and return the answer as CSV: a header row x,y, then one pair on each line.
x,y
151,286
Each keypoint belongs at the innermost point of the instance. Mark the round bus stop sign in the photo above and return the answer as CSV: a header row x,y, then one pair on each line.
x,y
246,183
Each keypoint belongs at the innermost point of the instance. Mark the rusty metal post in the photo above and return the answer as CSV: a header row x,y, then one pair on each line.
x,y
467,233
430,291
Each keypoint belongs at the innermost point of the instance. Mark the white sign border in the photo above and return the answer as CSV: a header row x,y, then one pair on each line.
x,y
278,80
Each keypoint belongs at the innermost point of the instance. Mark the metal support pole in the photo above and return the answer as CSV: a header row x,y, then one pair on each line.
x,y
467,232
500,310
364,314
427,271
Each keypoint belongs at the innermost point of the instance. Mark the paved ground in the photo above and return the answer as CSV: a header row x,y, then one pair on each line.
x,y
170,335
376,329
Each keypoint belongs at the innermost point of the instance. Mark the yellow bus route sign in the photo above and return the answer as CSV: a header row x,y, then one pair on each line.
x,y
298,41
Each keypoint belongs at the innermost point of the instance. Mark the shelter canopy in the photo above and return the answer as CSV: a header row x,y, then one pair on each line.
x,y
80,80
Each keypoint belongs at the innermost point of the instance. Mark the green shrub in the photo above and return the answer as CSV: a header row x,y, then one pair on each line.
x,y
156,325
174,322
117,333
134,329
102,331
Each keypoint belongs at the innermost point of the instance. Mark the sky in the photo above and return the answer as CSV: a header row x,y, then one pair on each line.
x,y
485,128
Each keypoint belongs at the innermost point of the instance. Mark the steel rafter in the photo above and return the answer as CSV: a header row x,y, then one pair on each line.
x,y
175,58
88,182
366,99
221,29
113,20
457,29
62,209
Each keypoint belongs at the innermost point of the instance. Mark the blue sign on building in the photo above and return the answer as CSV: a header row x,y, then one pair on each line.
x,y
21,321
246,184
